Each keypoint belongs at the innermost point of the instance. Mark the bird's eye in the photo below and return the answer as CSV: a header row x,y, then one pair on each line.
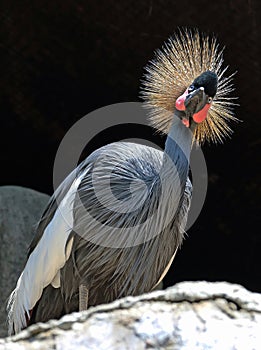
x,y
191,88
210,99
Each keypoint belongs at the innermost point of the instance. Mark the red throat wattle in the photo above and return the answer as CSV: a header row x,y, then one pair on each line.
x,y
197,117
202,114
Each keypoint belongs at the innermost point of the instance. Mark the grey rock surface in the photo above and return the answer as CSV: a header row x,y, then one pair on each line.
x,y
20,209
188,316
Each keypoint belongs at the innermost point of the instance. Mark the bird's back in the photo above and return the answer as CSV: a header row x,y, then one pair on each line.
x,y
123,221
121,234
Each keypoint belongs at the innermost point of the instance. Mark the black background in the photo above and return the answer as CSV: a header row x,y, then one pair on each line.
x,y
62,59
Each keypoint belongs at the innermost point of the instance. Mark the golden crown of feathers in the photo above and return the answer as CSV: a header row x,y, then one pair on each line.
x,y
182,58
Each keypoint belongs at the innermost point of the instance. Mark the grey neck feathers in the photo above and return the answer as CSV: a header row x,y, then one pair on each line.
x,y
177,152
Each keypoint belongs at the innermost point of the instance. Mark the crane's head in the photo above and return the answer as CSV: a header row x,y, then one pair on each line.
x,y
186,78
195,102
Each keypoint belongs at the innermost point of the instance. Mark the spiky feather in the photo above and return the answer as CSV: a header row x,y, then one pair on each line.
x,y
182,58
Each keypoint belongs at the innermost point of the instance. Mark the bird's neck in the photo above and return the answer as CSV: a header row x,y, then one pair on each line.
x,y
177,151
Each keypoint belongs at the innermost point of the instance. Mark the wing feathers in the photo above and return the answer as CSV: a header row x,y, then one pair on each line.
x,y
43,264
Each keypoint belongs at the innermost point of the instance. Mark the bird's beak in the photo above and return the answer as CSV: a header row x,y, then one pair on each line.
x,y
195,101
195,106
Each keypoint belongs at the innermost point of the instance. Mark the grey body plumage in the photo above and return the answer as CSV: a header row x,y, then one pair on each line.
x,y
104,256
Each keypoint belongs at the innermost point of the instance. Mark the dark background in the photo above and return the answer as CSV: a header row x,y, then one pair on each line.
x,y
62,59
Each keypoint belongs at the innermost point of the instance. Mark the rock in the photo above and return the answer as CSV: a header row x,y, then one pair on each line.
x,y
20,209
188,316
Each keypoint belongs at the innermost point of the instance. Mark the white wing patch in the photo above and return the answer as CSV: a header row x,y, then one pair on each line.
x,y
56,283
44,264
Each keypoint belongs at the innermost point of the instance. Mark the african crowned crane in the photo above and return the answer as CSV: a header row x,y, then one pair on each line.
x,y
113,226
